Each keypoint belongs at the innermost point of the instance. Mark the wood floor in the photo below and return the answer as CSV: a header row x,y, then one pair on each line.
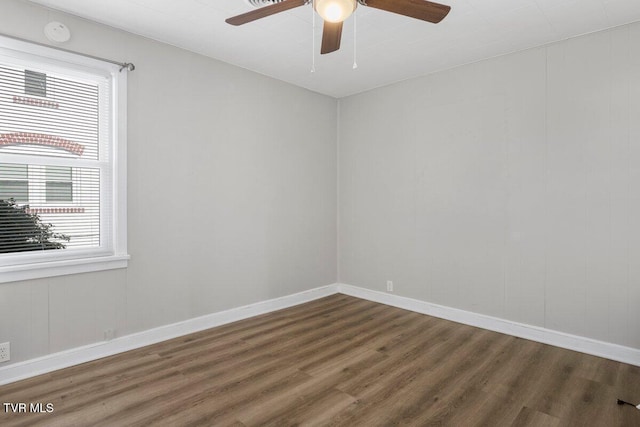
x,y
337,361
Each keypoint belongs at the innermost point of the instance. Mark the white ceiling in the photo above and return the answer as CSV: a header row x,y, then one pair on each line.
x,y
389,47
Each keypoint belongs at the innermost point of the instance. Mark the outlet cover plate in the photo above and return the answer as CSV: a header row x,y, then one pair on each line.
x,y
5,352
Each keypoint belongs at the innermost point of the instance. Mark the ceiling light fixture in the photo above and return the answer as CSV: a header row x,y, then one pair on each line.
x,y
335,10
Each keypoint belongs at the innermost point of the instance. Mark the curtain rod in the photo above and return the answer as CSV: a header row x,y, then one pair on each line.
x,y
123,65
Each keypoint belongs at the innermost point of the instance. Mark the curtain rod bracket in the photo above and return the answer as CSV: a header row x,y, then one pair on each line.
x,y
128,65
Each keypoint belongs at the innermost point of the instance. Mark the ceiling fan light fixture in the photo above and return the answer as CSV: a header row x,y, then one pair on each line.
x,y
335,10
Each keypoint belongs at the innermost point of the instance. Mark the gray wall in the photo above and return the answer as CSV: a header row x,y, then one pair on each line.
x,y
508,187
232,196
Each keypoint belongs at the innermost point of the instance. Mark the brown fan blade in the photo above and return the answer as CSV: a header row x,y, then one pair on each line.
x,y
331,35
419,9
265,11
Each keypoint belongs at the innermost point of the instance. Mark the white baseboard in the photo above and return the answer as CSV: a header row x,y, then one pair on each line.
x,y
534,333
75,356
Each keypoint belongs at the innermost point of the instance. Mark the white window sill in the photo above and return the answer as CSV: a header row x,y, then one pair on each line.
x,y
39,270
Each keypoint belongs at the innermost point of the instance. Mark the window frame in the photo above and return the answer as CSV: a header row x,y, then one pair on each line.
x,y
112,253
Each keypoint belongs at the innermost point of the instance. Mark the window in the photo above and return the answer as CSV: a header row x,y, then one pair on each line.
x,y
14,182
35,83
62,163
59,186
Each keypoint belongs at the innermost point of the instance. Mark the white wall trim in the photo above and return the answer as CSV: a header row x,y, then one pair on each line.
x,y
75,356
534,333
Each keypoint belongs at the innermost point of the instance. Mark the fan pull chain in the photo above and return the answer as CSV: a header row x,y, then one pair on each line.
x,y
355,21
313,38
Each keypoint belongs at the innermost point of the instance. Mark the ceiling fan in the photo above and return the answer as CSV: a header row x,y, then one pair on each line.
x,y
334,12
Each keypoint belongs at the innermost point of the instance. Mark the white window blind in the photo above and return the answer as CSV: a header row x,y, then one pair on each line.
x,y
61,180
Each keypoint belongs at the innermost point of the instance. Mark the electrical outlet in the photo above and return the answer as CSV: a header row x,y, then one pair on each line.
x,y
5,352
389,286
